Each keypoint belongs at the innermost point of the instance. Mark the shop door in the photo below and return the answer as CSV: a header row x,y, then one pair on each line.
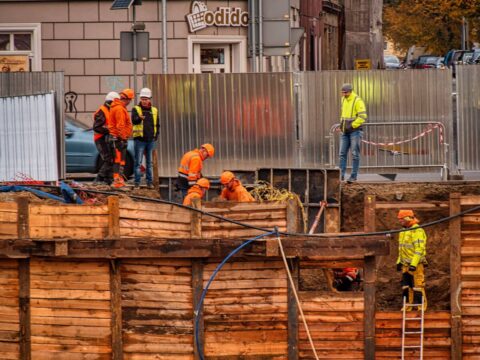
x,y
214,58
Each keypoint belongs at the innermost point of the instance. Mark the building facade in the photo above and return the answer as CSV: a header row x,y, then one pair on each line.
x,y
82,39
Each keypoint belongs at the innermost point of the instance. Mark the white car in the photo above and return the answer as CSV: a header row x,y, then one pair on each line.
x,y
391,62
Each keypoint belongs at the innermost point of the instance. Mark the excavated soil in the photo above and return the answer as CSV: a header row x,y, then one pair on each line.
x,y
438,244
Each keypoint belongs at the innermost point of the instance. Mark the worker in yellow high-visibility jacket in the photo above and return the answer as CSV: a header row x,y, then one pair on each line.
x,y
353,115
412,246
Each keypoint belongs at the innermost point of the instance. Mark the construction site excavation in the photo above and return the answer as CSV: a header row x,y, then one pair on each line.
x,y
125,278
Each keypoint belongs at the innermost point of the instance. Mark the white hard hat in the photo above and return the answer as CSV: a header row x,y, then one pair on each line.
x,y
112,95
146,92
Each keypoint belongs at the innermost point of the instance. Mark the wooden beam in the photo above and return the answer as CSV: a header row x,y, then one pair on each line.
x,y
369,217
116,309
332,219
196,220
61,248
470,200
419,205
24,302
293,219
197,286
113,217
295,246
23,213
293,313
455,230
156,179
369,307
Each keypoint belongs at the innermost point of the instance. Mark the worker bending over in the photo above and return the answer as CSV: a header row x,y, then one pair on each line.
x,y
233,189
412,245
190,169
197,191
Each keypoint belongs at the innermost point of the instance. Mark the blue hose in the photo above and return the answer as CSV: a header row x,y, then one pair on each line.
x,y
204,293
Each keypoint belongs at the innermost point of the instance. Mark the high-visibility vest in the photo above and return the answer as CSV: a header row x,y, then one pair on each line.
x,y
412,244
186,170
106,112
138,129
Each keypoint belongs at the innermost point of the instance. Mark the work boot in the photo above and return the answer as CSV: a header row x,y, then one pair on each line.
x,y
351,180
150,186
118,182
98,180
136,186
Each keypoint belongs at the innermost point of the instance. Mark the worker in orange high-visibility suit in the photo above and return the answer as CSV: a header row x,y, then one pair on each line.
x,y
120,128
412,245
190,169
197,191
233,189
345,278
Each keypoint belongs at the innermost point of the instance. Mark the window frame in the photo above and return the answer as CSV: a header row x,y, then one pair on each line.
x,y
35,53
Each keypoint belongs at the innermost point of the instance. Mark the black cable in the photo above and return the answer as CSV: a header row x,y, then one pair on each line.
x,y
239,223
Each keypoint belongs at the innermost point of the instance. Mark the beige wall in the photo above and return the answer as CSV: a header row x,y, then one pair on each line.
x,y
81,38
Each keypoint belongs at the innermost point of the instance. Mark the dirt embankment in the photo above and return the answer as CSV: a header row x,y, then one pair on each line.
x,y
438,244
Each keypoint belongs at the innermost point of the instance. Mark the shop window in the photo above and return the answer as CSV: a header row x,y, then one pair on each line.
x,y
19,41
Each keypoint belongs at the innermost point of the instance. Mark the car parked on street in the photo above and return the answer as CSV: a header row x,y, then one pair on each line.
x,y
425,62
81,153
391,62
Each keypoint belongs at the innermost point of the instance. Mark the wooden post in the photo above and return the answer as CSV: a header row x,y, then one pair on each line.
x,y
116,309
292,216
369,306
455,229
113,217
24,302
197,286
23,227
293,313
369,217
196,220
156,180
332,219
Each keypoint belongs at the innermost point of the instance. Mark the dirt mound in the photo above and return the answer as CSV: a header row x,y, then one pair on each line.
x,y
438,244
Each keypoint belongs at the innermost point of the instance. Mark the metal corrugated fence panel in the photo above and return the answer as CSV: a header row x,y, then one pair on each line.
x,y
27,138
248,117
468,116
32,83
390,96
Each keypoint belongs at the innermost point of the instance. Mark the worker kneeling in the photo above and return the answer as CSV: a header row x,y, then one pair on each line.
x,y
233,189
197,191
412,244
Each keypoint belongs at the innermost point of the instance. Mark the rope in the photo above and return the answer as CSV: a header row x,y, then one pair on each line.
x,y
294,290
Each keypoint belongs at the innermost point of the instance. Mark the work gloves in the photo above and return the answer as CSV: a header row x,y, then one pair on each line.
x,y
399,267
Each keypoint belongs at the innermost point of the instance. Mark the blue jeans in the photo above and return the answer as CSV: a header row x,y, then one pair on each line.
x,y
141,147
351,140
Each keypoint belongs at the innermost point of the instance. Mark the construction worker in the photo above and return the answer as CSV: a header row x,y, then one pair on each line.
x,y
197,191
145,135
233,189
190,169
101,119
412,245
120,127
353,115
344,279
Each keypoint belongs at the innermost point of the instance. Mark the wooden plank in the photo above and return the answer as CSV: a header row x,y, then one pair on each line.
x,y
232,207
293,313
24,298
154,207
154,216
9,206
113,217
23,217
369,216
87,221
468,200
455,277
116,309
197,287
249,216
65,232
196,220
293,218
156,179
431,205
42,209
370,277
61,248
332,219
154,225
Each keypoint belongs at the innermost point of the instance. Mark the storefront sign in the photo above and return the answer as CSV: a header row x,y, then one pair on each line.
x,y
201,18
12,63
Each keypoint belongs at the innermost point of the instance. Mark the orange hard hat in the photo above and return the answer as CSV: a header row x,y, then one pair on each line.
x,y
204,183
226,177
210,149
402,214
127,93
